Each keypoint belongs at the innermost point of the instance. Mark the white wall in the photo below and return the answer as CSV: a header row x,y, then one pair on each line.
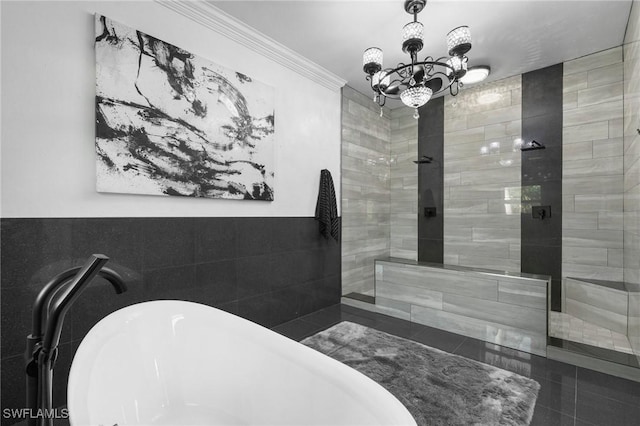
x,y
48,89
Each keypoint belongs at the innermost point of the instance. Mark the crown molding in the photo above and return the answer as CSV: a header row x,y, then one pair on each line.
x,y
221,22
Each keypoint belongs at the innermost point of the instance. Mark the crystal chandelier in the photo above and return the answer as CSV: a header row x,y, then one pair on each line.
x,y
416,82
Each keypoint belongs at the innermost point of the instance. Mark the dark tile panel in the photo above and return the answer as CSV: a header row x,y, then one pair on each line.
x,y
431,250
431,121
175,282
167,242
15,312
431,181
256,309
219,279
254,236
315,295
544,128
297,233
214,239
542,259
332,259
120,239
431,227
285,305
34,250
538,232
231,307
270,270
541,240
542,91
541,165
13,389
254,275
297,267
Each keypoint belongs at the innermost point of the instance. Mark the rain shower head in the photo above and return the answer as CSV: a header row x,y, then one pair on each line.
x,y
424,160
531,146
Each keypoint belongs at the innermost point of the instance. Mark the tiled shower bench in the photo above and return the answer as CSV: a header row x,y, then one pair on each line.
x,y
505,308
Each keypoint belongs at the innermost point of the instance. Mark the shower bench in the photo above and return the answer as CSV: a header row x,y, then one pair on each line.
x,y
505,308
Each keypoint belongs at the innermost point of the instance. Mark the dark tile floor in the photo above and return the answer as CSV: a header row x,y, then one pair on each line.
x,y
569,395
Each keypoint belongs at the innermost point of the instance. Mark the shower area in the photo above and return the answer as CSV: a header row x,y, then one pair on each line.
x,y
569,211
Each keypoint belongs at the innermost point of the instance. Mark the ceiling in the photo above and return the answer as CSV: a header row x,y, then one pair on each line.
x,y
512,37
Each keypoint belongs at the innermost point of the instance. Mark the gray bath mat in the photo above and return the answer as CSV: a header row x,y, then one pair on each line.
x,y
437,388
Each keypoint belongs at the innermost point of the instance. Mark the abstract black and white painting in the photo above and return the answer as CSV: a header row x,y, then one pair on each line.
x,y
169,122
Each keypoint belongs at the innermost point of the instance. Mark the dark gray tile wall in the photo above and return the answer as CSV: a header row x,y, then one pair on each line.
x,y
268,270
431,181
541,251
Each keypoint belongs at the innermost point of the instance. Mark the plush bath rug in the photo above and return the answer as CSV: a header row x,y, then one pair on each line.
x,y
438,388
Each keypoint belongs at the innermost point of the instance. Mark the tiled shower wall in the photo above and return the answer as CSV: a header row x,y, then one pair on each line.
x,y
631,51
592,181
267,269
365,190
482,176
404,184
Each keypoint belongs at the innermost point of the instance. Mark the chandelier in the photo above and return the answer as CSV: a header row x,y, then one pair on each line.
x,y
415,83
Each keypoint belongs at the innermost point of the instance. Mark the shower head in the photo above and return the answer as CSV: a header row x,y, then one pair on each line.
x,y
424,160
531,146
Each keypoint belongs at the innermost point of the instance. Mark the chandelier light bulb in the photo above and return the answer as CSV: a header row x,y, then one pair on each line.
x,y
372,60
416,96
459,41
412,37
413,30
459,65
379,83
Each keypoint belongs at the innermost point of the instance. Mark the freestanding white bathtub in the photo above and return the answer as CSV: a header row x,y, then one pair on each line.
x,y
179,363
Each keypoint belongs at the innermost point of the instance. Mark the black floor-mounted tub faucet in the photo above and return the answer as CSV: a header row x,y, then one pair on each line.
x,y
49,310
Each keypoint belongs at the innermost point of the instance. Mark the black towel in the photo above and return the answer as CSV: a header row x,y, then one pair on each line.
x,y
326,207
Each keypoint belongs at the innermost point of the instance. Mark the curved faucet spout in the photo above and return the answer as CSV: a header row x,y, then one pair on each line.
x,y
48,292
114,278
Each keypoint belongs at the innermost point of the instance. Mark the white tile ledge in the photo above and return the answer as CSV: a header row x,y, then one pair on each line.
x,y
459,268
615,286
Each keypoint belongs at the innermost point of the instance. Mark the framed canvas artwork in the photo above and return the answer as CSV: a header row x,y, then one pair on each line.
x,y
169,122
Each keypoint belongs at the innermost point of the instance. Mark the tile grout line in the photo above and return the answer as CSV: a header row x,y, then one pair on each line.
x,y
458,347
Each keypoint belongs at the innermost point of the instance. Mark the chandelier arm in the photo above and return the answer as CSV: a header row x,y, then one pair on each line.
x,y
400,83
432,64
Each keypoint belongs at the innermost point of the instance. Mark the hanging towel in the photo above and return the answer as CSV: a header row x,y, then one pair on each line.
x,y
326,207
